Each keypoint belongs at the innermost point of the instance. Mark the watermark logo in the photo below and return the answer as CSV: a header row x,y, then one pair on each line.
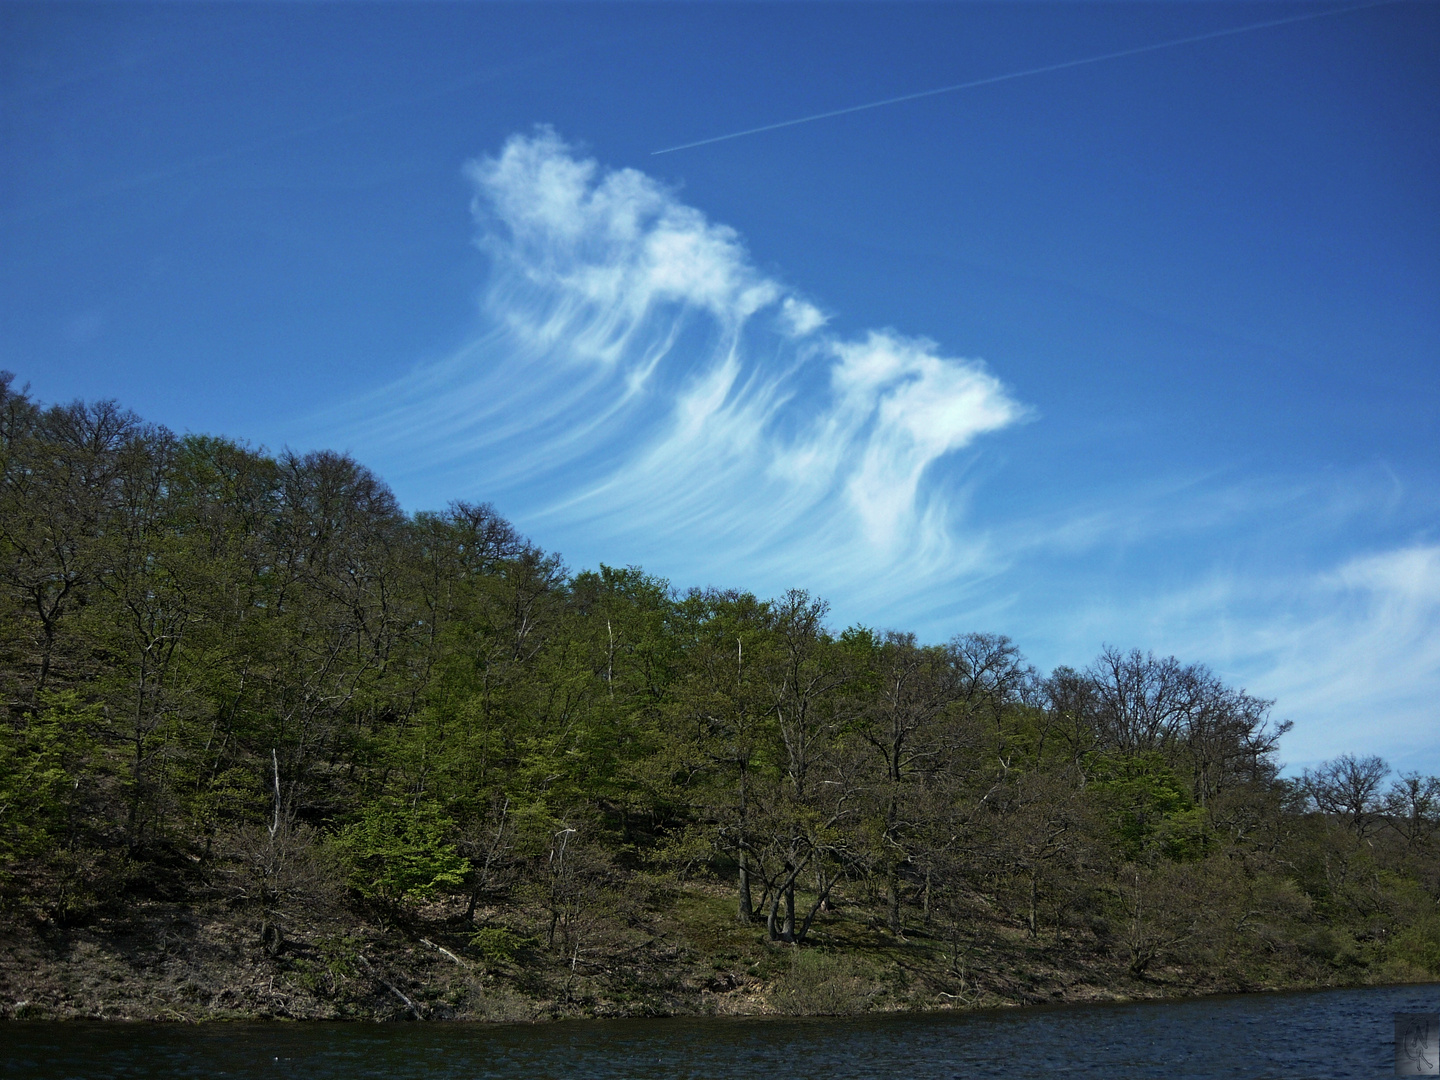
x,y
1417,1044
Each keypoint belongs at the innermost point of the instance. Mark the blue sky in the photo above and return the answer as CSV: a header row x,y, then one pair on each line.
x,y
1140,352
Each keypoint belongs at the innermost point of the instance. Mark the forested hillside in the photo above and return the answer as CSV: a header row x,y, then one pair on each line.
x,y
271,746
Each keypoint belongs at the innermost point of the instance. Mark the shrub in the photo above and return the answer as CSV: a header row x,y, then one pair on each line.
x,y
822,984
397,852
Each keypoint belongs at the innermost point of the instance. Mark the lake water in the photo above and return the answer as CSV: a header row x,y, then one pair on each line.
x,y
1333,1033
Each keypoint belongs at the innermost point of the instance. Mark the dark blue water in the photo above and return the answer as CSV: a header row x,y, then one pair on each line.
x,y
1335,1033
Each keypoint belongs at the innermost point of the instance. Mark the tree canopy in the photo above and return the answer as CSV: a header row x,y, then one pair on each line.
x,y
218,664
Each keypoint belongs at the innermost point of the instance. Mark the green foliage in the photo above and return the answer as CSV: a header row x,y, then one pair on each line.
x,y
498,945
1147,804
45,758
211,655
1418,943
395,852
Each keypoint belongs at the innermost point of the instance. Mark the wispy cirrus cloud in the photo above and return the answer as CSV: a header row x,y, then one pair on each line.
x,y
638,391
1358,655
1350,651
639,387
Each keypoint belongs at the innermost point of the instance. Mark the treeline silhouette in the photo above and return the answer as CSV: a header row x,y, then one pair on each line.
x,y
249,679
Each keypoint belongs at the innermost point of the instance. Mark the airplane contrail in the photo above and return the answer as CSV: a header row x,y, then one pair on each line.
x,y
1028,71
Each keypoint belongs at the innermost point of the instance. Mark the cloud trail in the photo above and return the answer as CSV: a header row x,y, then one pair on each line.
x,y
1062,66
1348,648
640,391
1359,657
637,391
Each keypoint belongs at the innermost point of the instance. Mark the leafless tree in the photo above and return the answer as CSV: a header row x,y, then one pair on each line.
x,y
1412,808
1141,702
1348,788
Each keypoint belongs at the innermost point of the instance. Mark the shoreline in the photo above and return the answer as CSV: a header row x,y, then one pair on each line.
x,y
9,1013
187,964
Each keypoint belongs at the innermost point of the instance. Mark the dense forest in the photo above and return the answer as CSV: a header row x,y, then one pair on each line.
x,y
272,746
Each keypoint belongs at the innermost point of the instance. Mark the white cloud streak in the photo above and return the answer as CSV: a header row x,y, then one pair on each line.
x,y
640,384
639,392
1359,657
1350,652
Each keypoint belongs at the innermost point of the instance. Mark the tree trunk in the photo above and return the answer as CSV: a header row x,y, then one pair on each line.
x,y
1034,897
822,902
787,931
746,912
892,897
